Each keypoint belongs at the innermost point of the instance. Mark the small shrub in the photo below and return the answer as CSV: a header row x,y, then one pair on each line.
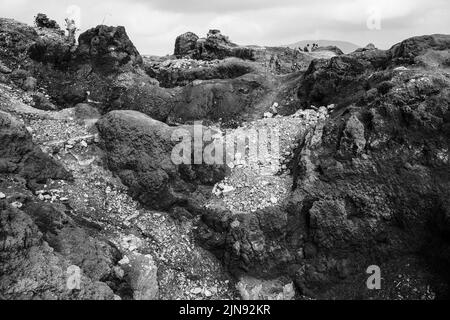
x,y
42,21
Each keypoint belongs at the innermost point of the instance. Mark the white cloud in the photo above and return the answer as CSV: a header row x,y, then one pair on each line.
x,y
154,24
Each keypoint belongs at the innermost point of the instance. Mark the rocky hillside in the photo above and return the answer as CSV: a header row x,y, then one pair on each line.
x,y
93,205
345,46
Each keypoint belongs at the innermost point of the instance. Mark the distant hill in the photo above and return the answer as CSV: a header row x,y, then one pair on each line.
x,y
345,46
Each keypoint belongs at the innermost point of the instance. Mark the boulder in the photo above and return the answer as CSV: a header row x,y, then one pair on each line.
x,y
334,81
85,111
19,155
218,46
51,48
214,46
218,99
139,150
94,256
141,272
369,47
31,269
41,102
107,50
185,45
408,50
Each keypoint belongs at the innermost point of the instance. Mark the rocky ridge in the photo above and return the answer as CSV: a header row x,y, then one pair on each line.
x,y
87,180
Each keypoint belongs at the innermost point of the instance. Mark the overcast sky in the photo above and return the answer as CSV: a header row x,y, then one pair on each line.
x,y
153,24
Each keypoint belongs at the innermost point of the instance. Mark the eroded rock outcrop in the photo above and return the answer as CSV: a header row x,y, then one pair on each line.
x,y
19,155
370,183
31,269
107,50
185,45
139,149
214,46
173,73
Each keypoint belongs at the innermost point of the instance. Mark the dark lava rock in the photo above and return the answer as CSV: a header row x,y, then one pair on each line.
x,y
219,99
43,103
31,269
15,39
86,111
378,175
107,50
369,47
371,184
329,48
170,75
218,46
94,256
139,150
214,46
407,51
21,156
51,48
253,244
42,21
338,80
4,69
137,91
185,45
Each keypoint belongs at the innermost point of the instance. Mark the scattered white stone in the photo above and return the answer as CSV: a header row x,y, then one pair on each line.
x,y
125,260
323,110
2,195
235,224
84,144
131,242
227,189
214,290
208,293
274,200
17,205
196,291
268,115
